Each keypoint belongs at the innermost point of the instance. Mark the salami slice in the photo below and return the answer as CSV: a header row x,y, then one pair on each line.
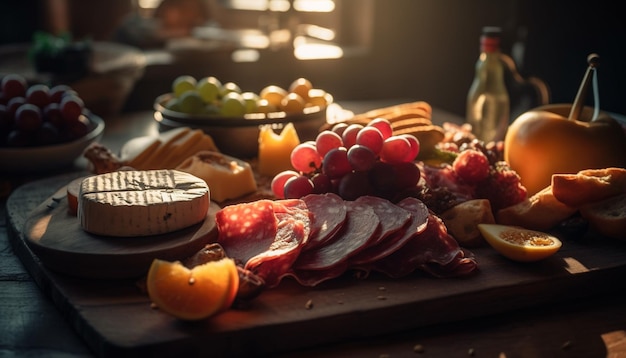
x,y
431,251
274,263
328,215
264,236
392,217
361,226
245,230
311,278
418,213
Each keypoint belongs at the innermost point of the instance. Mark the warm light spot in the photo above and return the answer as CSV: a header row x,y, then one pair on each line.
x,y
279,5
255,5
310,51
574,266
245,55
318,32
251,39
280,36
314,5
149,4
39,229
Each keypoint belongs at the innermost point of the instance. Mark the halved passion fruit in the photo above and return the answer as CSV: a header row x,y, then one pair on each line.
x,y
193,294
520,244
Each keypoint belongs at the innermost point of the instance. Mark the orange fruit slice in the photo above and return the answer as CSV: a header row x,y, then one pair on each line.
x,y
520,244
193,294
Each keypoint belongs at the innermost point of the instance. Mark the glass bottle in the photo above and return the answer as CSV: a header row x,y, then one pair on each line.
x,y
488,100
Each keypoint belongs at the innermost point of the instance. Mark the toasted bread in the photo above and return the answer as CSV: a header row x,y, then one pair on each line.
x,y
462,221
541,211
608,216
588,186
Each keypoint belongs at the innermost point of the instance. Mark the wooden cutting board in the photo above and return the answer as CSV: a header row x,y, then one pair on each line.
x,y
56,237
115,317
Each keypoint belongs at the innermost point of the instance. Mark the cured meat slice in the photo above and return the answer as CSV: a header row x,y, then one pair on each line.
x,y
274,263
311,278
417,223
392,217
433,251
265,236
361,226
328,215
299,210
245,230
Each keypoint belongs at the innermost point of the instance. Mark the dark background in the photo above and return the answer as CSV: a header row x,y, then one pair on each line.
x,y
418,49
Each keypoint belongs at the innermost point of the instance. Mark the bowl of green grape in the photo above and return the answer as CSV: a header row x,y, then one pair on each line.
x,y
232,116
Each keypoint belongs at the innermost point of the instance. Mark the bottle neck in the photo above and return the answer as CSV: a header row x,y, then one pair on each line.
x,y
489,44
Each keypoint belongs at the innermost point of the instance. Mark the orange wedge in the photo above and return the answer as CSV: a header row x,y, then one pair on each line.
x,y
193,294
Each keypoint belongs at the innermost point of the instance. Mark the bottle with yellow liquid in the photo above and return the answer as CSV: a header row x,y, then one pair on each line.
x,y
488,104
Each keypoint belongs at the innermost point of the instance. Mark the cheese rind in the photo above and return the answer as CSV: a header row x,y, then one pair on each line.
x,y
141,203
226,176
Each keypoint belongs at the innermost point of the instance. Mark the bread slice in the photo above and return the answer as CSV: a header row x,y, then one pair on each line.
x,y
462,221
608,216
541,211
588,186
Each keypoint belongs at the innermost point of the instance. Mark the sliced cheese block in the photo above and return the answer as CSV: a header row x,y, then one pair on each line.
x,y
226,176
141,203
167,150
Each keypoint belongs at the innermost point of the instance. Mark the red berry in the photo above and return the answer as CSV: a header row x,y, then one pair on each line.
x,y
472,166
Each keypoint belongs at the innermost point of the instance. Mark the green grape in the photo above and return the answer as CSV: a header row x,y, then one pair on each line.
x,y
183,84
191,102
209,89
251,100
229,87
233,105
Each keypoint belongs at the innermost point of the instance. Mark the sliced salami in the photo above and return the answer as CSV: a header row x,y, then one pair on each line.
x,y
432,251
312,278
361,226
245,230
265,236
392,217
273,264
417,223
328,215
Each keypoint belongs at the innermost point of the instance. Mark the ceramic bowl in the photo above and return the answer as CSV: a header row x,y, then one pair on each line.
x,y
50,157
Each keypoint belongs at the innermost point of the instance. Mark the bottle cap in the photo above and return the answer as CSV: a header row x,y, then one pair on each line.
x,y
490,38
492,31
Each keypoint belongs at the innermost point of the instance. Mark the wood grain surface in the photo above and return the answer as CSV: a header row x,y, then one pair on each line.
x,y
57,238
115,317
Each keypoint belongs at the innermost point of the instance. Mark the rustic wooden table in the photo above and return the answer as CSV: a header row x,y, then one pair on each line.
x,y
31,325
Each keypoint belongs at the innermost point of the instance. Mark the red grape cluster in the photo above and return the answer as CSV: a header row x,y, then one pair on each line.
x,y
352,161
39,115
